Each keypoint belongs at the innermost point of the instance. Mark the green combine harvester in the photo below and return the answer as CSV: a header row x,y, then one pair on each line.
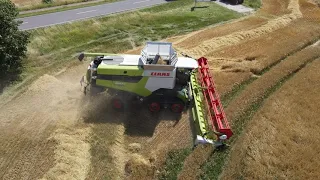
x,y
159,79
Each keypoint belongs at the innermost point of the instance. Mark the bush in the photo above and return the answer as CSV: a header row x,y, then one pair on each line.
x,y
13,42
47,1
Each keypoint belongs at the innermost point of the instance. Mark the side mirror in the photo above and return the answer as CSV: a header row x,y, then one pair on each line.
x,y
81,56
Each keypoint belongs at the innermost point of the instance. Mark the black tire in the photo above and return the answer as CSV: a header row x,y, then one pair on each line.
x,y
177,107
118,103
233,2
240,1
154,107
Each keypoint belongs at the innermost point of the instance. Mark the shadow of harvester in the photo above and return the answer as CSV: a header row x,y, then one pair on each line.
x,y
137,119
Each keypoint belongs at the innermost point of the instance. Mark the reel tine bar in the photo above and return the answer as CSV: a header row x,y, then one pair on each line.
x,y
211,96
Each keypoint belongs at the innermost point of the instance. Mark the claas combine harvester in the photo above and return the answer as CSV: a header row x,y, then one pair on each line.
x,y
159,79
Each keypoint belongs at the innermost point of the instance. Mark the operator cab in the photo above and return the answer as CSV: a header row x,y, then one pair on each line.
x,y
159,53
162,57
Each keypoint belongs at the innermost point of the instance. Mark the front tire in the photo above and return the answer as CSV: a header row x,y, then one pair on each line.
x,y
177,107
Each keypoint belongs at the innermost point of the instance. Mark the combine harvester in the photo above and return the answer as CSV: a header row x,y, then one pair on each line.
x,y
159,79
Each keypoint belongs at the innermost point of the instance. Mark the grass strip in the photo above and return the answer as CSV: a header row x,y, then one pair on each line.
x,y
63,8
57,4
255,4
121,32
174,163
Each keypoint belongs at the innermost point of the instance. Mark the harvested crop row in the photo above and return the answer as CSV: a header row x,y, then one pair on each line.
x,y
238,63
256,89
275,7
226,81
253,92
281,141
254,55
195,39
72,154
241,64
235,38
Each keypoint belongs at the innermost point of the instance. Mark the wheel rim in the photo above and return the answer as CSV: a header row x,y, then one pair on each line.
x,y
117,104
154,107
177,108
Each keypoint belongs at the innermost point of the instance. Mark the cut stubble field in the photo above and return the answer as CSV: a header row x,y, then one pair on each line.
x,y
282,140
75,139
261,64
251,58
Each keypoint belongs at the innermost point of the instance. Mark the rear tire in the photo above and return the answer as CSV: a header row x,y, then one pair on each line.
x,y
117,104
154,107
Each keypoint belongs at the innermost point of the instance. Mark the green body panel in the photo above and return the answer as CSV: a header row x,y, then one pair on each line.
x,y
183,95
120,70
198,110
137,88
116,70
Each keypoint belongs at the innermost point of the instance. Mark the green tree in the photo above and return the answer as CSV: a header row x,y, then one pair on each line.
x,y
13,42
